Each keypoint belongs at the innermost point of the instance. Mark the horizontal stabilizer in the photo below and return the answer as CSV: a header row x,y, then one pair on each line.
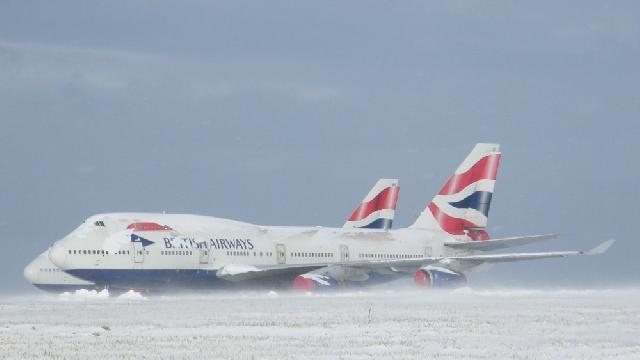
x,y
497,258
496,244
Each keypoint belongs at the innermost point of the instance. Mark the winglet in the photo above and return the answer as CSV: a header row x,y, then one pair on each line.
x,y
602,248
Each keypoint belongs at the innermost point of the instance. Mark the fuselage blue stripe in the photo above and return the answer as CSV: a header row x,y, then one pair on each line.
x,y
190,279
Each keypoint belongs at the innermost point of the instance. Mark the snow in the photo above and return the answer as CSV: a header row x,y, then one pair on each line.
x,y
232,269
382,323
84,294
131,296
441,269
320,279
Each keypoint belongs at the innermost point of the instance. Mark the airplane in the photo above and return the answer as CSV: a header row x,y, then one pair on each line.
x,y
44,275
376,211
156,252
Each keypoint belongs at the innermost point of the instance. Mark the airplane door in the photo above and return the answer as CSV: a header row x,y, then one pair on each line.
x,y
281,254
344,253
204,255
138,252
427,251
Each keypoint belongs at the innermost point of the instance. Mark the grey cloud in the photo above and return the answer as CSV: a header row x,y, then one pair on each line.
x,y
30,66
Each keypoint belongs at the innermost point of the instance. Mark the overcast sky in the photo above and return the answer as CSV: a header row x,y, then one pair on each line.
x,y
287,112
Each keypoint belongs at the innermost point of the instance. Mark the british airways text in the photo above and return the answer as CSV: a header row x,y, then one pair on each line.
x,y
186,243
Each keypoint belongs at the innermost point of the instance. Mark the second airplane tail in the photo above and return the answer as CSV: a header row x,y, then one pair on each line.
x,y
461,207
378,208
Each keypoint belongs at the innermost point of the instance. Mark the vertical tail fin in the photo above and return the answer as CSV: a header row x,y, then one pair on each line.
x,y
377,208
461,207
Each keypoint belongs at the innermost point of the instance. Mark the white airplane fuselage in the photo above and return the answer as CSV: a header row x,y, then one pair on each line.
x,y
189,250
44,275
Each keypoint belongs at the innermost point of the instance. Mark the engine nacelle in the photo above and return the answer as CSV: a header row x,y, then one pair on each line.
x,y
314,282
437,277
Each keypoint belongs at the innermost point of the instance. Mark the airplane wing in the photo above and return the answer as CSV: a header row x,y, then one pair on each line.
x,y
497,258
233,272
495,244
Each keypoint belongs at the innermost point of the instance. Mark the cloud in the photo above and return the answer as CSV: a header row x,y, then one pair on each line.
x,y
29,66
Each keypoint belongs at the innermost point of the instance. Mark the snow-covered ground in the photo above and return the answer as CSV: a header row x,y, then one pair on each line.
x,y
461,324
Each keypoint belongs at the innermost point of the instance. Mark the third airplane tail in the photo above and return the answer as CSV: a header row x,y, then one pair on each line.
x,y
461,207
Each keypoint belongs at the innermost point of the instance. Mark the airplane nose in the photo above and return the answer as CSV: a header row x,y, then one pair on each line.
x,y
58,255
30,272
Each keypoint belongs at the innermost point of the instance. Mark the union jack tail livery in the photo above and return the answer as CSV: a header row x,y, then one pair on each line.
x,y
378,208
461,207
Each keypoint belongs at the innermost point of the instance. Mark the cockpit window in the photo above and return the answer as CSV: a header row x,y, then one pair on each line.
x,y
99,223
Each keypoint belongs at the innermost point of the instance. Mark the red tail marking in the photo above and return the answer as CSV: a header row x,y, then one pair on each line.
x,y
455,226
386,199
148,226
478,235
485,168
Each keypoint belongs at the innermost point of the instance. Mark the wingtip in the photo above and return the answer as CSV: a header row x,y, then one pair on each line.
x,y
602,248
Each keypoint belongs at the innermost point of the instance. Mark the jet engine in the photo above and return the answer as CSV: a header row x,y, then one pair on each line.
x,y
314,282
438,277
